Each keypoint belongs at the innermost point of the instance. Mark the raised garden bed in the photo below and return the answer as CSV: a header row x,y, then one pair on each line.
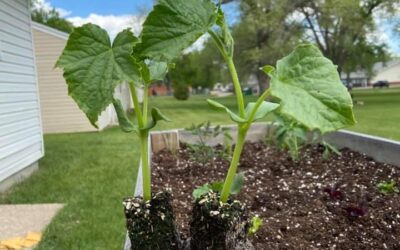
x,y
311,203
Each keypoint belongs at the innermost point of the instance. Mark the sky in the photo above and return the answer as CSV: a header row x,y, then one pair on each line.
x,y
116,15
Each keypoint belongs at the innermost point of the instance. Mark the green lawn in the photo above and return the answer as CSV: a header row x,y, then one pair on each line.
x,y
378,112
92,172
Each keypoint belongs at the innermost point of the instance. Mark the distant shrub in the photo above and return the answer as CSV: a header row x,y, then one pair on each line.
x,y
181,91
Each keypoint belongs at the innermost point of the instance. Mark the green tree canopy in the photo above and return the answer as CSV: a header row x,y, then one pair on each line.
x,y
201,68
340,28
50,18
264,34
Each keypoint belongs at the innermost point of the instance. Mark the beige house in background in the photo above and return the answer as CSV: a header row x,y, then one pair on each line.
x,y
389,71
60,114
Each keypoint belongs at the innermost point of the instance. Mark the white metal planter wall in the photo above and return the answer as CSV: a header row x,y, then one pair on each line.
x,y
21,140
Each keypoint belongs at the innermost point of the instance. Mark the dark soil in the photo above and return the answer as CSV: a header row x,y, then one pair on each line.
x,y
151,225
219,226
309,204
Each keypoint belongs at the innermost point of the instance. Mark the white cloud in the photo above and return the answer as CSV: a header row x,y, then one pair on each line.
x,y
44,4
198,45
113,24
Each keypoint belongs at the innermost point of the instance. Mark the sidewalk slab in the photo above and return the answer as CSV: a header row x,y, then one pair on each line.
x,y
20,220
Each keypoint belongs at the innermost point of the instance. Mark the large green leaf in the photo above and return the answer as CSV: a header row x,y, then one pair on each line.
x,y
264,109
310,90
93,67
174,25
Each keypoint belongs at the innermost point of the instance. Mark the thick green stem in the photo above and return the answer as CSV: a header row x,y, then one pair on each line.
x,y
144,140
226,190
145,103
232,70
136,105
242,129
144,150
260,100
236,84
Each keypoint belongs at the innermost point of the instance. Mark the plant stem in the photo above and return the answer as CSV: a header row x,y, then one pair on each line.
x,y
232,70
136,105
144,140
260,100
236,84
226,190
242,129
145,103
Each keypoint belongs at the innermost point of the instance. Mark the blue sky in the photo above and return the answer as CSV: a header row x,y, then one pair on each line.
x,y
103,7
115,15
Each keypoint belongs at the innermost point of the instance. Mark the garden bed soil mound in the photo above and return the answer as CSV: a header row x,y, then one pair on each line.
x,y
309,204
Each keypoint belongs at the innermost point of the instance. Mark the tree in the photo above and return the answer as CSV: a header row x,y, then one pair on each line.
x,y
50,18
264,34
202,68
363,56
340,27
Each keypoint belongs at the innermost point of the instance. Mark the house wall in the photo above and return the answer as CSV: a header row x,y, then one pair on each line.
x,y
21,140
60,114
391,74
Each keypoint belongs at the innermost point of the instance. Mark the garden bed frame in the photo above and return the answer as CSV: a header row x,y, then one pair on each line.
x,y
381,149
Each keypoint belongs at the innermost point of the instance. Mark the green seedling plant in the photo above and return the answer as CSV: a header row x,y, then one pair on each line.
x,y
94,66
305,83
238,183
329,149
256,223
201,151
291,136
387,187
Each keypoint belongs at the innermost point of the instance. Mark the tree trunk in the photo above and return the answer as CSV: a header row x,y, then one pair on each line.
x,y
263,81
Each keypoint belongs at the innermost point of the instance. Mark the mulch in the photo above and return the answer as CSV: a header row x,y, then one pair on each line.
x,y
312,203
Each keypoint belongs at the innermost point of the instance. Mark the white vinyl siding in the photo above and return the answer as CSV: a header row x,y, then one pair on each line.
x,y
21,140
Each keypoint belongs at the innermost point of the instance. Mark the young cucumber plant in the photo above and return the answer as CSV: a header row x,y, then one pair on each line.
x,y
93,67
306,83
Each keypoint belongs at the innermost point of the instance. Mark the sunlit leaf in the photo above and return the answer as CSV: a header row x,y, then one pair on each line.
x,y
174,25
310,90
93,67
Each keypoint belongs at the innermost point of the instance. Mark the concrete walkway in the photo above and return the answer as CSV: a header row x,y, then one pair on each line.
x,y
20,221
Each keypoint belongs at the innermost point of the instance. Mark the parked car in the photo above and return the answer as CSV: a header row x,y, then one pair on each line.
x,y
380,84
